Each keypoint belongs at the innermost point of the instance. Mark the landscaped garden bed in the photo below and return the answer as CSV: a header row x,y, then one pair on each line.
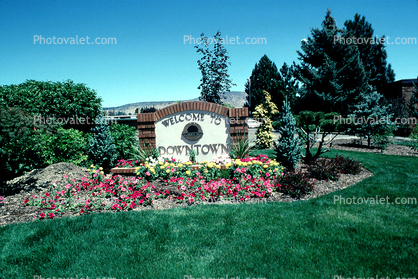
x,y
163,185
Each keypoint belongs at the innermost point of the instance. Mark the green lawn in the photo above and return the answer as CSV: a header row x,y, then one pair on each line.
x,y
313,239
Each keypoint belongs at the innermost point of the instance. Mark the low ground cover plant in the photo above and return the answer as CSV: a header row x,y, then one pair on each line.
x,y
331,169
242,180
296,184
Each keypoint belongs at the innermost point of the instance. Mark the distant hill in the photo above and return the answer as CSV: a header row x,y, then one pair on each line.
x,y
236,99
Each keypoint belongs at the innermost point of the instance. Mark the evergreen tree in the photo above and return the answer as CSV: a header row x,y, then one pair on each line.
x,y
372,52
288,85
288,150
102,149
214,68
264,76
413,103
332,74
264,113
371,119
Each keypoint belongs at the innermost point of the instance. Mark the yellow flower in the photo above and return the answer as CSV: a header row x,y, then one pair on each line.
x,y
152,170
265,166
88,169
218,167
160,163
172,165
102,172
244,164
166,164
188,172
167,171
100,168
162,167
180,165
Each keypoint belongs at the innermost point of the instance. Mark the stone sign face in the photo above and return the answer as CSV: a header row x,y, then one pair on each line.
x,y
207,133
208,129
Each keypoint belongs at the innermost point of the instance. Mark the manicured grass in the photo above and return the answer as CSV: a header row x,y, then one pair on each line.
x,y
314,239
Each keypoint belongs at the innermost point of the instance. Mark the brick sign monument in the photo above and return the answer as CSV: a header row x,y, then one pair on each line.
x,y
208,129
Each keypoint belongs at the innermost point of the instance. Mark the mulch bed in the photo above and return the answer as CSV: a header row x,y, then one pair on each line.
x,y
15,211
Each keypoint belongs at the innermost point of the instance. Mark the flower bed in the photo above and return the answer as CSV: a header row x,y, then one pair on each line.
x,y
239,179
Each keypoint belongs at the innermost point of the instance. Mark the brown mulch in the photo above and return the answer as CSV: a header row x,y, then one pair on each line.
x,y
15,211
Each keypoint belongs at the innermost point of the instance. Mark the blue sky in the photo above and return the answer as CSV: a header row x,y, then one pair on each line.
x,y
152,60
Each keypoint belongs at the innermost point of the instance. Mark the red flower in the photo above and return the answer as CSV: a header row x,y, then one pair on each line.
x,y
26,201
42,215
51,215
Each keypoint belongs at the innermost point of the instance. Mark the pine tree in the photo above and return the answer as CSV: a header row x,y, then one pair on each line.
x,y
371,119
288,150
288,85
264,76
372,52
102,149
214,68
332,74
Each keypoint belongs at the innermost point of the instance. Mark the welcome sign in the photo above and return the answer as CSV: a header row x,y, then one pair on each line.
x,y
206,128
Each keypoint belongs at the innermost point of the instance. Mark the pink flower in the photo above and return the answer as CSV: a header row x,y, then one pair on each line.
x,y
148,195
42,215
183,187
68,186
82,211
65,176
51,215
148,173
267,174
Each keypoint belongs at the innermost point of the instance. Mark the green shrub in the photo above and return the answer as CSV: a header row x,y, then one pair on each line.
x,y
19,136
295,184
414,137
125,141
64,145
